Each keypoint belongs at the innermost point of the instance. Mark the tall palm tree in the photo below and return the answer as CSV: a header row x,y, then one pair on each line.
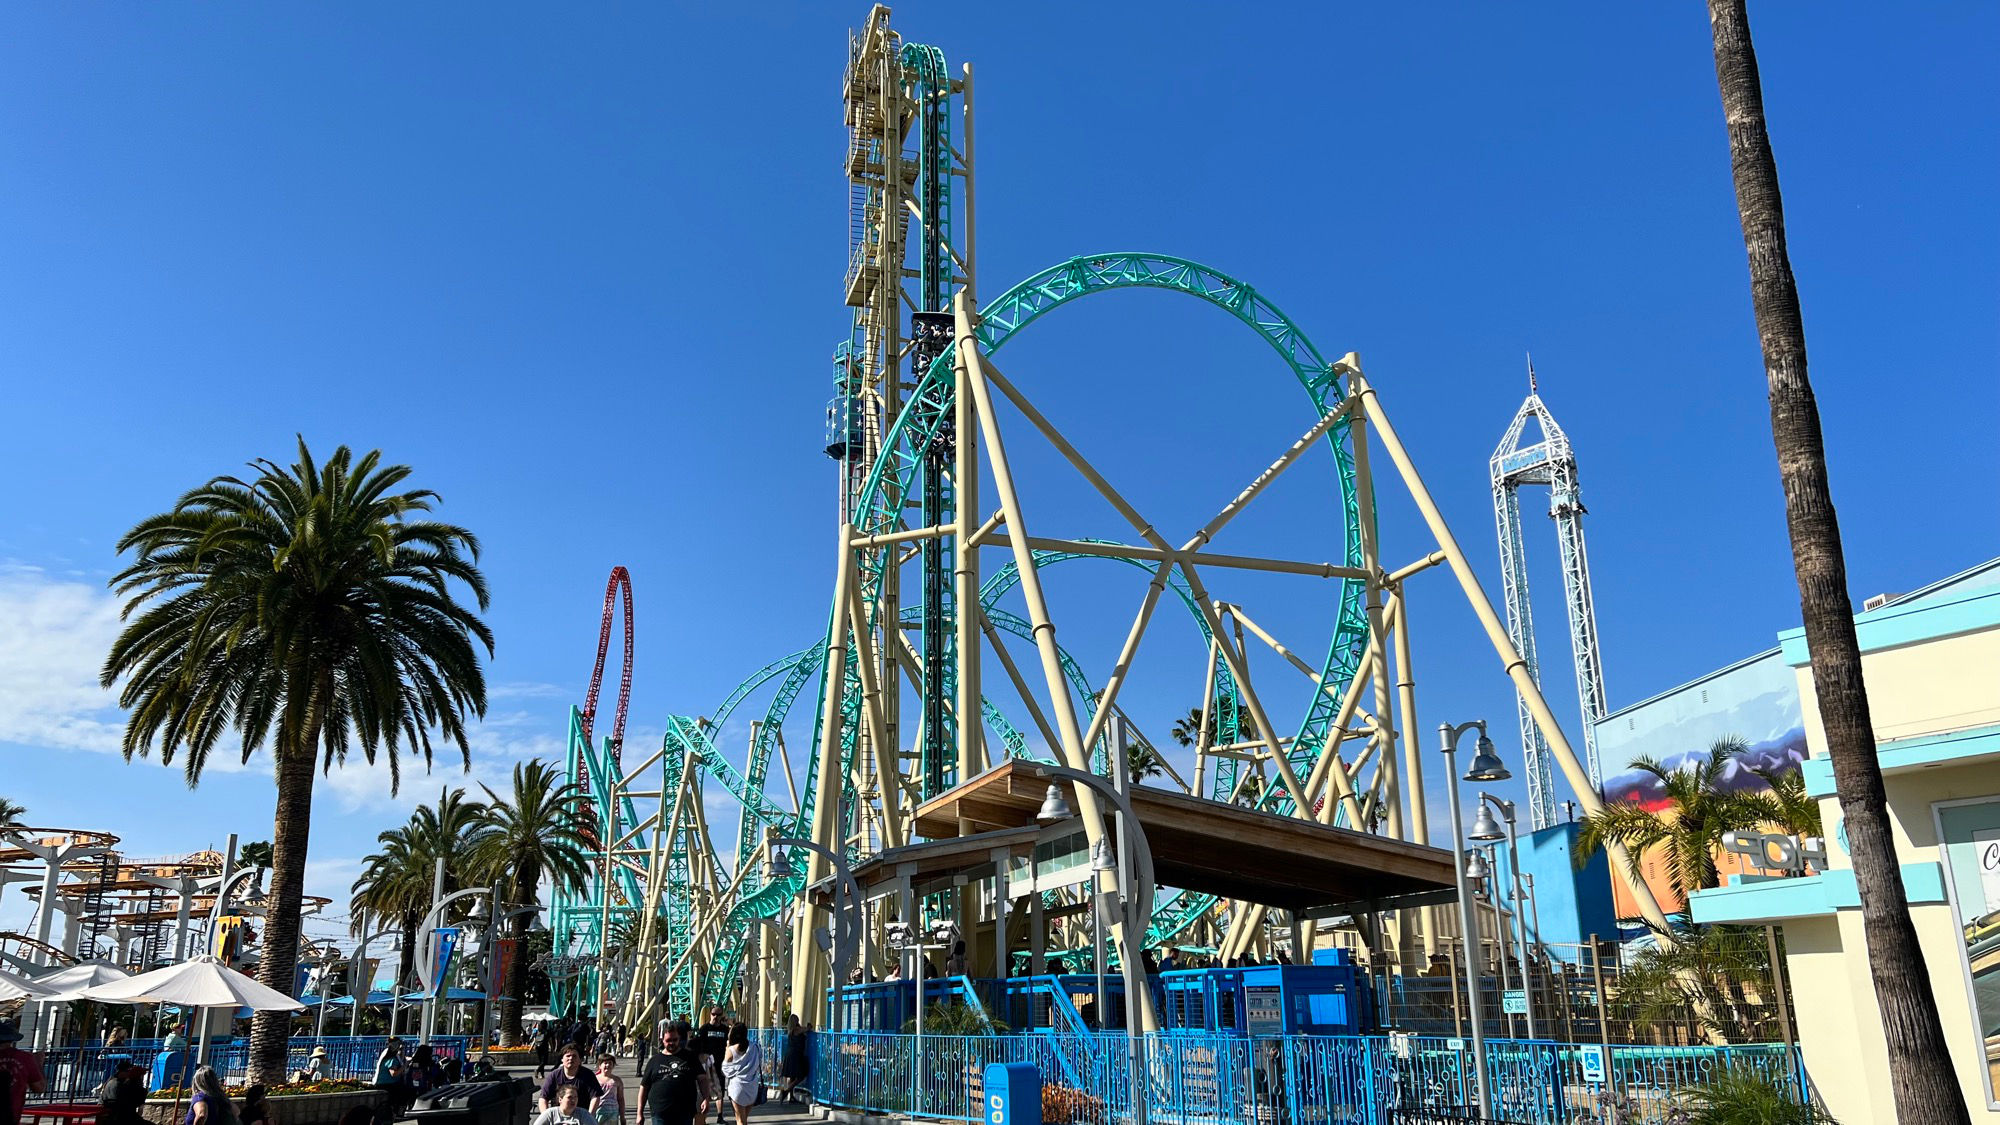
x,y
536,831
309,607
394,884
11,813
1926,1089
1688,832
399,880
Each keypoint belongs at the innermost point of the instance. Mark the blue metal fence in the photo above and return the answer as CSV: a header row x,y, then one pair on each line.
x,y
74,1073
1296,1080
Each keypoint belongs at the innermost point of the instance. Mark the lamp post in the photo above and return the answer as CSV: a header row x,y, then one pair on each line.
x,y
1136,902
430,922
1485,766
214,915
852,927
1483,828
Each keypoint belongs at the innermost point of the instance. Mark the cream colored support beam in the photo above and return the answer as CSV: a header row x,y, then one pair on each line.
x,y
1201,734
912,535
1060,703
972,753
1041,721
785,760
1263,480
807,972
1394,579
1496,633
1107,697
985,529
1154,554
1239,668
1371,561
887,768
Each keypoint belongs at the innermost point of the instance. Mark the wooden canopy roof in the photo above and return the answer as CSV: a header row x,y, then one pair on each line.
x,y
1215,848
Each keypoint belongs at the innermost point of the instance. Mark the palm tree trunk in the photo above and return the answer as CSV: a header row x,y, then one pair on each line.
x,y
270,1032
406,961
511,1031
1926,1090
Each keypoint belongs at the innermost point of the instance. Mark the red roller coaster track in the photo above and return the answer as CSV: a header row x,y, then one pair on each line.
x,y
619,579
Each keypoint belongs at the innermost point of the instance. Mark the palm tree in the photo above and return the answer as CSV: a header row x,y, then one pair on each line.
x,y
536,831
1688,832
399,880
1142,762
1926,1089
394,884
11,813
256,854
310,607
1787,806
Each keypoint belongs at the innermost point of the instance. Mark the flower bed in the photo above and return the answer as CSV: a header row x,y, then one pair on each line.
x,y
310,1103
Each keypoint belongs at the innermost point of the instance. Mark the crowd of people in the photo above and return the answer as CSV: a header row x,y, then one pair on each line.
x,y
696,1072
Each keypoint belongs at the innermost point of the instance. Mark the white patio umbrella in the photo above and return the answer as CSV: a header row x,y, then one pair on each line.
x,y
14,987
71,983
199,982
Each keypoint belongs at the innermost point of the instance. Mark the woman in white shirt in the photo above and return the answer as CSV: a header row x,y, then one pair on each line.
x,y
742,1070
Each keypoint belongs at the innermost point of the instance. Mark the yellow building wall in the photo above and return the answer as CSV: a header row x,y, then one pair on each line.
x,y
1930,688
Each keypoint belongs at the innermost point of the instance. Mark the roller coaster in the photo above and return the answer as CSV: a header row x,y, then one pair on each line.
x,y
671,921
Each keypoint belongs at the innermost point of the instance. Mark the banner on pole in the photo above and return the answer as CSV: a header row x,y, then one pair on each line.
x,y
435,970
231,931
500,966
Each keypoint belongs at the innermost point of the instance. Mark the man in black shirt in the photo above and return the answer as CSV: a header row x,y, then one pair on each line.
x,y
711,1039
675,1088
573,1072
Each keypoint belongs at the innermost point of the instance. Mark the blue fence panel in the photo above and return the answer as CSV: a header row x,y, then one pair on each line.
x,y
74,1073
1198,1079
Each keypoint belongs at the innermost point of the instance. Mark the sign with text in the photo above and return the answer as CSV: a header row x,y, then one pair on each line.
x,y
1264,1010
1514,1002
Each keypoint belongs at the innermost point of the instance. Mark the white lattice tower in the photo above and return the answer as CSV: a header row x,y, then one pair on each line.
x,y
1551,462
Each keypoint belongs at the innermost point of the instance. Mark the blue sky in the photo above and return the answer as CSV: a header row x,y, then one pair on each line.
x,y
581,268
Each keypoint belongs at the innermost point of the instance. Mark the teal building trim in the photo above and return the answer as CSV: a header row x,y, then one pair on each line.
x,y
1773,898
1893,626
1959,747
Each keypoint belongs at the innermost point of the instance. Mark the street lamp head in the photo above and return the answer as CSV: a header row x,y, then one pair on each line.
x,y
1101,857
1484,827
1486,764
781,864
1475,866
1055,806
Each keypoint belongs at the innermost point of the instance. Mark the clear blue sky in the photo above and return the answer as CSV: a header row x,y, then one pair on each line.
x,y
581,266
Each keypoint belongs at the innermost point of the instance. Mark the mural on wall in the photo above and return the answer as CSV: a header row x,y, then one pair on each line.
x,y
1756,700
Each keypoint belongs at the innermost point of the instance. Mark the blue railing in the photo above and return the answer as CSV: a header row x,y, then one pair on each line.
x,y
1295,1080
74,1073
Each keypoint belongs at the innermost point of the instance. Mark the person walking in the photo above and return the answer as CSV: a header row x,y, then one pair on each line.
x,y
675,1089
22,1071
541,1042
392,1076
742,1071
210,1104
610,1107
122,1095
796,1065
711,1039
572,1071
